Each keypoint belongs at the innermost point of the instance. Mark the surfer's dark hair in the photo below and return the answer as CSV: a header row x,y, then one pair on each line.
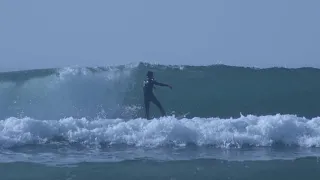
x,y
149,73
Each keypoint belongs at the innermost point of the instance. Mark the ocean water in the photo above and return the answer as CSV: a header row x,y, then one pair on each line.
x,y
88,123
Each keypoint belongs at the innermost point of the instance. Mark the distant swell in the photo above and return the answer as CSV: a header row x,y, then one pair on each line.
x,y
246,131
115,92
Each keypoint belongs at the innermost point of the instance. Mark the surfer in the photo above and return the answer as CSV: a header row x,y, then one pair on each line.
x,y
148,86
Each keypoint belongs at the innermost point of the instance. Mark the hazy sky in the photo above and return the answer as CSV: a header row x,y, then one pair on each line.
x,y
262,33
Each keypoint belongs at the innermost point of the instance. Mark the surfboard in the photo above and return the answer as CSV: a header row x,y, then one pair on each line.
x,y
182,116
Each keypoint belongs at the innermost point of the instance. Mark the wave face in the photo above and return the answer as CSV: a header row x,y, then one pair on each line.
x,y
116,92
246,131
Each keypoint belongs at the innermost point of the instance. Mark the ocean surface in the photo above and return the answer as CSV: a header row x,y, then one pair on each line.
x,y
88,123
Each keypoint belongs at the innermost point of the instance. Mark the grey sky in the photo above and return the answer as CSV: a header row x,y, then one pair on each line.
x,y
262,33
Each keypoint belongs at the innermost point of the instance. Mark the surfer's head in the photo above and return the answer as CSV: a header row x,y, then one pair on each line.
x,y
150,74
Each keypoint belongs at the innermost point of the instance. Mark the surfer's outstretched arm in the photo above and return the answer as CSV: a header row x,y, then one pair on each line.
x,y
162,84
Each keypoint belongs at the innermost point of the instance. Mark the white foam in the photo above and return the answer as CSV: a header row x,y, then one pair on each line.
x,y
225,133
80,92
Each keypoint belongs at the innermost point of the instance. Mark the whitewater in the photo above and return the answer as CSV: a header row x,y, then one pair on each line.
x,y
246,131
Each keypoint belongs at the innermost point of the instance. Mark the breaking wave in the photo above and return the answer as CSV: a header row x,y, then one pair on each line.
x,y
245,131
202,91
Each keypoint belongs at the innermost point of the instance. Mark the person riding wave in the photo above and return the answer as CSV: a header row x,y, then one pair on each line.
x,y
148,86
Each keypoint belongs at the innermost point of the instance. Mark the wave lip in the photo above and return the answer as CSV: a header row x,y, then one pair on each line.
x,y
252,131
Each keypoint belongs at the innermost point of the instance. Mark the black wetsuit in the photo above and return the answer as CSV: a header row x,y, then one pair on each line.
x,y
148,86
